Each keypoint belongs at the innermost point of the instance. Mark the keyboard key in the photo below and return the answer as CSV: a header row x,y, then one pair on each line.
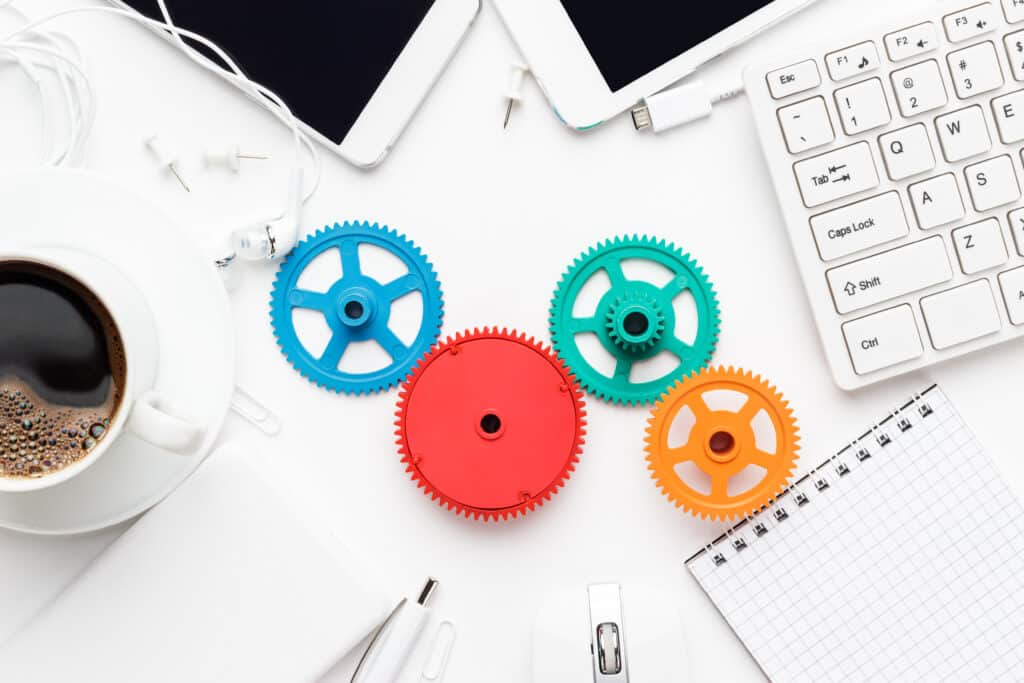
x,y
919,88
854,60
907,151
1014,10
889,275
794,79
1012,284
937,201
961,315
859,226
911,42
975,70
980,246
992,183
1016,218
970,22
837,174
1015,53
806,125
963,134
1009,113
883,339
863,107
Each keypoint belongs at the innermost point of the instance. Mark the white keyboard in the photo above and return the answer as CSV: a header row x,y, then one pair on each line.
x,y
896,154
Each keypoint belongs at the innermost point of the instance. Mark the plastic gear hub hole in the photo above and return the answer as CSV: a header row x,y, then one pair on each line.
x,y
636,323
721,442
354,310
490,423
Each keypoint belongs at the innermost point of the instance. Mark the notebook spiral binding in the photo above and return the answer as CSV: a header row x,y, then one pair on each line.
x,y
818,480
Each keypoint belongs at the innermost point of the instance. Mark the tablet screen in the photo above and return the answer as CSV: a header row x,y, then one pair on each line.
x,y
325,59
628,40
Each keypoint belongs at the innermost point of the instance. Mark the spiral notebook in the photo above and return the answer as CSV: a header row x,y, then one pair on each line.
x,y
901,558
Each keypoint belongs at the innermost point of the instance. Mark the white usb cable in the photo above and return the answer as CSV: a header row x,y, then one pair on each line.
x,y
678,106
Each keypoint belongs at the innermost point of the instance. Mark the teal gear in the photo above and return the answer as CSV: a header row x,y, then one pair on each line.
x,y
635,320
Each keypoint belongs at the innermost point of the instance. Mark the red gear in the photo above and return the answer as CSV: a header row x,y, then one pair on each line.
x,y
490,423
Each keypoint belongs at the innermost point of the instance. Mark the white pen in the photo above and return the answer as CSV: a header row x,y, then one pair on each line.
x,y
395,639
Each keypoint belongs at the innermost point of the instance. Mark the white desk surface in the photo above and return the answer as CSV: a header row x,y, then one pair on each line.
x,y
501,214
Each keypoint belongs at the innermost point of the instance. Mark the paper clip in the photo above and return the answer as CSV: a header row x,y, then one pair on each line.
x,y
440,651
254,412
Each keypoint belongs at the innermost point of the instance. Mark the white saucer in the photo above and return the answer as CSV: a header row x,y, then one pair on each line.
x,y
193,319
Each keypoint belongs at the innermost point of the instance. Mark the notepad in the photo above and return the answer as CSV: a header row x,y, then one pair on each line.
x,y
228,580
901,558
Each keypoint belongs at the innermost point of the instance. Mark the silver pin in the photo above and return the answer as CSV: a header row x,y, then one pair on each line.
x,y
517,72
229,157
166,158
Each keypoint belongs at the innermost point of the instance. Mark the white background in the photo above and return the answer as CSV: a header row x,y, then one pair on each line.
x,y
501,214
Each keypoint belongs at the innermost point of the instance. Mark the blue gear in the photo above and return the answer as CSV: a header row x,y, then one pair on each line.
x,y
356,307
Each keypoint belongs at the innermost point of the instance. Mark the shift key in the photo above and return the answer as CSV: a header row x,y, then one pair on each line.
x,y
889,275
837,174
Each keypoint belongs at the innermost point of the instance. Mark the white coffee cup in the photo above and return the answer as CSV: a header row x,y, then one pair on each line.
x,y
142,411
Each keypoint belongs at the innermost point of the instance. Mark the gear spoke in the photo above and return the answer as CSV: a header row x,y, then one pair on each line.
x,y
594,325
679,284
687,453
350,260
335,350
680,348
762,459
615,274
749,410
303,298
400,286
720,485
623,367
699,408
391,344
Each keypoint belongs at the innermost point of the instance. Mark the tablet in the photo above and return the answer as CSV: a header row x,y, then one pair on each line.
x,y
353,72
597,59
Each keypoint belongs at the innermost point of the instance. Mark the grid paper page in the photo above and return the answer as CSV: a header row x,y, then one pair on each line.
x,y
908,567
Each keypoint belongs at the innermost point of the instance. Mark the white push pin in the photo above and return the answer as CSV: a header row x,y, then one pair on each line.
x,y
230,157
516,74
165,157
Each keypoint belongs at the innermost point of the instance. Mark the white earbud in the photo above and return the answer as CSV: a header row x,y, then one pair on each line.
x,y
266,239
229,157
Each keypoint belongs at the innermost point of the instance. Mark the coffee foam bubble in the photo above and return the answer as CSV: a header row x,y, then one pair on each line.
x,y
37,439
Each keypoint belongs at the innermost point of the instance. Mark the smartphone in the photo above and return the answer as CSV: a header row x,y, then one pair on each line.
x,y
354,72
594,60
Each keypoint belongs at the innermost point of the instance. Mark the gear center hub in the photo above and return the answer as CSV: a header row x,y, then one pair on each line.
x,y
354,309
490,426
637,326
721,445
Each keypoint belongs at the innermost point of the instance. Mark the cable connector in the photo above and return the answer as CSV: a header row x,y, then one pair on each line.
x,y
678,106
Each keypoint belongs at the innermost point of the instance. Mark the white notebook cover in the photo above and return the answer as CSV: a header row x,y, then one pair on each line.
x,y
224,581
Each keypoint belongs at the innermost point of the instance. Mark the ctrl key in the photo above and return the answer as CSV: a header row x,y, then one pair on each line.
x,y
883,339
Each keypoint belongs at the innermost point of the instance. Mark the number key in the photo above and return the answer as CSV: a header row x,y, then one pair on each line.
x,y
863,107
919,88
975,70
1015,52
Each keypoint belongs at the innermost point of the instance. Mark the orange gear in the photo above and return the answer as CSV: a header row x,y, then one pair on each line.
x,y
722,443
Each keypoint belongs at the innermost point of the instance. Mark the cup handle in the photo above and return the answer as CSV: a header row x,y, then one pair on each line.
x,y
151,422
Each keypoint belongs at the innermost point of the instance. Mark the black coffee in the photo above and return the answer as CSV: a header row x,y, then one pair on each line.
x,y
62,370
